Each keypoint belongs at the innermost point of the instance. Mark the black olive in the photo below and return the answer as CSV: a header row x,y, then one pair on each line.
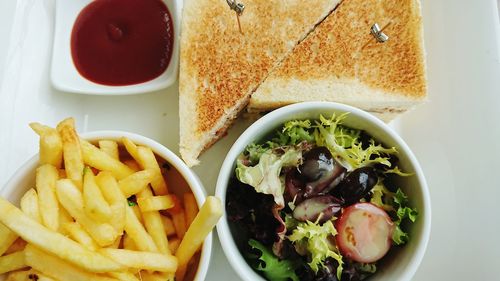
x,y
356,185
317,162
319,169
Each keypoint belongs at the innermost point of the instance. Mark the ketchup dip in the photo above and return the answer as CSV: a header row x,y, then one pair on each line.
x,y
122,42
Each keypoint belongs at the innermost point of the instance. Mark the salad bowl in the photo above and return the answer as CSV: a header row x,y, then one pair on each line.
x,y
401,262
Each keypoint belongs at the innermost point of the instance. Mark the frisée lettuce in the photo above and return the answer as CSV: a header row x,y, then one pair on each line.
x,y
313,237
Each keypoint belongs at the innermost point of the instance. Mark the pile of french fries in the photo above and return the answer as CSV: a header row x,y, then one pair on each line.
x,y
100,213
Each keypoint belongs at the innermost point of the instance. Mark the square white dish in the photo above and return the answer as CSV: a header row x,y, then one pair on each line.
x,y
65,76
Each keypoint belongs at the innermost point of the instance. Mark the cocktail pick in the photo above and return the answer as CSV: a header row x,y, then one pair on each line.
x,y
378,34
238,8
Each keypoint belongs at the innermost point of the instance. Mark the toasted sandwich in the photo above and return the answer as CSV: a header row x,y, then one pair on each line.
x,y
341,61
220,66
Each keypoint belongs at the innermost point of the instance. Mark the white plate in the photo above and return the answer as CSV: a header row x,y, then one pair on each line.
x,y
64,74
455,136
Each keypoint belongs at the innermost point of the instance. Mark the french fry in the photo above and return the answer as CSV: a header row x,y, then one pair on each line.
x,y
118,216
117,242
155,203
168,225
154,224
147,160
142,260
95,205
190,207
72,152
156,276
71,199
132,164
131,148
64,217
179,223
29,205
173,244
58,268
98,159
137,233
110,148
178,216
53,242
204,222
128,243
7,237
46,177
114,196
109,188
136,182
51,145
12,262
137,212
27,275
17,246
77,233
124,276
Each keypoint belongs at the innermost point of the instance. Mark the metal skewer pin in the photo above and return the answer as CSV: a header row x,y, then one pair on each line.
x,y
378,34
238,8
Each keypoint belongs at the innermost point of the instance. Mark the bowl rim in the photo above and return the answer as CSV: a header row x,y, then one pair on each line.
x,y
227,242
189,176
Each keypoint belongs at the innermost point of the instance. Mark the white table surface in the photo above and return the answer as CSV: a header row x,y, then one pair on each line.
x,y
456,135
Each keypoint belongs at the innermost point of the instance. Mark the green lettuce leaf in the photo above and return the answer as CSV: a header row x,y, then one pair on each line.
x,y
403,211
297,131
382,197
265,176
395,203
314,238
345,145
366,267
399,237
271,266
293,133
290,222
254,151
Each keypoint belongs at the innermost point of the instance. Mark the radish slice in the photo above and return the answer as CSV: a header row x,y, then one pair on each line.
x,y
364,232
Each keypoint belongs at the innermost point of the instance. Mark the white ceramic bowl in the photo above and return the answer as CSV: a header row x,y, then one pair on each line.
x,y
65,76
24,179
401,263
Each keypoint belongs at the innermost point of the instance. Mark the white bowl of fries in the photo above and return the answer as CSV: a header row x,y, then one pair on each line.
x,y
108,205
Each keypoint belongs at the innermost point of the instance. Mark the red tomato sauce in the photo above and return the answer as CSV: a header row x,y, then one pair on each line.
x,y
122,42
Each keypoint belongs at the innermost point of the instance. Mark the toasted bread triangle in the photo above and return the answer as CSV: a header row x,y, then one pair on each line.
x,y
220,67
340,61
